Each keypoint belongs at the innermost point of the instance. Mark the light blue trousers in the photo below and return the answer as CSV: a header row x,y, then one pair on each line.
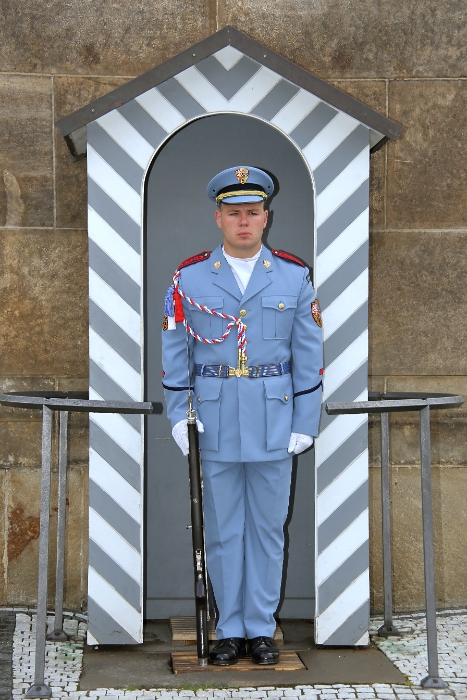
x,y
245,508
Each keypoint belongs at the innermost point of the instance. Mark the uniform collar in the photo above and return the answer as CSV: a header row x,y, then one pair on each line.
x,y
223,275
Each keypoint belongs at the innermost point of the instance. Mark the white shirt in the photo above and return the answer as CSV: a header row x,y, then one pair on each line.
x,y
242,268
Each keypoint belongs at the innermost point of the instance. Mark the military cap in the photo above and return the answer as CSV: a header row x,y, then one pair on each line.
x,y
240,185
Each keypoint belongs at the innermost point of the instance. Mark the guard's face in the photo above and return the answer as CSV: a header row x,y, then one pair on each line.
x,y
242,227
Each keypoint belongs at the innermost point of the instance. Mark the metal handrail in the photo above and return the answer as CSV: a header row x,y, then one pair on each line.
x,y
63,403
385,404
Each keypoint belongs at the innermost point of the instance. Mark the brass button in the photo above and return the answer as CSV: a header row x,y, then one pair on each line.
x,y
286,397
242,312
245,326
281,306
198,400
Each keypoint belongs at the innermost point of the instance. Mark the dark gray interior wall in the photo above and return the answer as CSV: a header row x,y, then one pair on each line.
x,y
180,223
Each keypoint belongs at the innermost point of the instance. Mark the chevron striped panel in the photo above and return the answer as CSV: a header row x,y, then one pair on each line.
x,y
121,146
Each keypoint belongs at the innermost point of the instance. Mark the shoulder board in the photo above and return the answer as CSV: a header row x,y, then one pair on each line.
x,y
204,255
287,256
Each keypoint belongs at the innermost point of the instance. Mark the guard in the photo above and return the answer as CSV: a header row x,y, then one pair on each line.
x,y
242,326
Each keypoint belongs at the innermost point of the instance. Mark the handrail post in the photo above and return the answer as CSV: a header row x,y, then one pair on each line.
x,y
58,634
432,680
38,689
387,629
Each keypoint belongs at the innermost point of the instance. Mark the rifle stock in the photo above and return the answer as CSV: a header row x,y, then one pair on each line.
x,y
197,533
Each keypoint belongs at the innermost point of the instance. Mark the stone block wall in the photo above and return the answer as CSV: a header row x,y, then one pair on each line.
x,y
405,60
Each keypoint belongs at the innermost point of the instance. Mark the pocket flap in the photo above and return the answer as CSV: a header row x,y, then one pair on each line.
x,y
208,389
280,303
278,388
210,302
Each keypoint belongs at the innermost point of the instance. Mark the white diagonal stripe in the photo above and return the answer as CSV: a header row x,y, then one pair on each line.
x,y
113,544
343,186
121,432
342,248
114,246
161,110
114,365
114,306
127,137
202,90
228,57
254,90
336,433
114,185
115,605
118,488
348,602
342,547
329,139
295,111
345,364
364,640
345,305
342,487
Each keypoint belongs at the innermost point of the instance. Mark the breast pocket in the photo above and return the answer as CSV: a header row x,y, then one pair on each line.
x,y
205,324
278,315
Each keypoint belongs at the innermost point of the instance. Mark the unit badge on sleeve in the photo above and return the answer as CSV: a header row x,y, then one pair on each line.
x,y
316,313
165,322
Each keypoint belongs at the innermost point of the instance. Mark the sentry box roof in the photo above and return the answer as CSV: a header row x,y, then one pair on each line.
x,y
73,126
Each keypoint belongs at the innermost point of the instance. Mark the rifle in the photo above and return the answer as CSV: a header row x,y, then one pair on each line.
x,y
197,533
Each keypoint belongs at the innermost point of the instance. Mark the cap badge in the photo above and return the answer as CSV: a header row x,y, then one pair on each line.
x,y
266,264
242,175
217,264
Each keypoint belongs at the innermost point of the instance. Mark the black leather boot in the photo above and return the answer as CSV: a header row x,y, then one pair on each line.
x,y
263,650
228,651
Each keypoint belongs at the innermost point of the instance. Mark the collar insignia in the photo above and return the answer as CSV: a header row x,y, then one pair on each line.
x,y
217,264
266,264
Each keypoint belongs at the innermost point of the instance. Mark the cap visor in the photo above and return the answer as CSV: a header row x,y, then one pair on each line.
x,y
245,199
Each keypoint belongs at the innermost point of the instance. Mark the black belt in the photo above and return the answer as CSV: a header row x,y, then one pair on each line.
x,y
224,371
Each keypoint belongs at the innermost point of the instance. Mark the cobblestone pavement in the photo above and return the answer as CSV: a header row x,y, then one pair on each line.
x,y
7,626
408,653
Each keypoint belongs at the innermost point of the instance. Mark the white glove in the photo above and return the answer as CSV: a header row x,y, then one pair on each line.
x,y
180,434
299,442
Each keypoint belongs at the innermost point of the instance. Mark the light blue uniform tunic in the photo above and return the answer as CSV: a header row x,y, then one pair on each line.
x,y
248,422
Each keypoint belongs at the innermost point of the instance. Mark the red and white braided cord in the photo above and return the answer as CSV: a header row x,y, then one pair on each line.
x,y
234,320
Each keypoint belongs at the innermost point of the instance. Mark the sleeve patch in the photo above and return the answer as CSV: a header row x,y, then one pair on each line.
x,y
316,313
204,255
287,256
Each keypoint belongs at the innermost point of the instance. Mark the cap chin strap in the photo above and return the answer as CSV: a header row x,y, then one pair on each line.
x,y
236,193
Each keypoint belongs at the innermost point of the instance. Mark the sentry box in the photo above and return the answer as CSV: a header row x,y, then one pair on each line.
x,y
152,145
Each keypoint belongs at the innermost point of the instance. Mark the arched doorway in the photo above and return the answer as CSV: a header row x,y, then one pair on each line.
x,y
179,222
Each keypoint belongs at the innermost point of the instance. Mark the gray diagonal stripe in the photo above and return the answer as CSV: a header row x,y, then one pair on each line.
x,y
342,457
228,82
347,391
340,579
114,514
313,123
114,455
104,628
143,123
342,517
346,334
180,99
275,100
353,628
343,276
115,277
114,336
115,217
115,156
343,217
110,391
341,157
112,572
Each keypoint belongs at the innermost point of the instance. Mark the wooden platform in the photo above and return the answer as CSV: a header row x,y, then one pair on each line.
x,y
187,662
183,631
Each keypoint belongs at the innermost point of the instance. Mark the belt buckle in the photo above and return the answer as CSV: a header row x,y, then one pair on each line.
x,y
232,371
